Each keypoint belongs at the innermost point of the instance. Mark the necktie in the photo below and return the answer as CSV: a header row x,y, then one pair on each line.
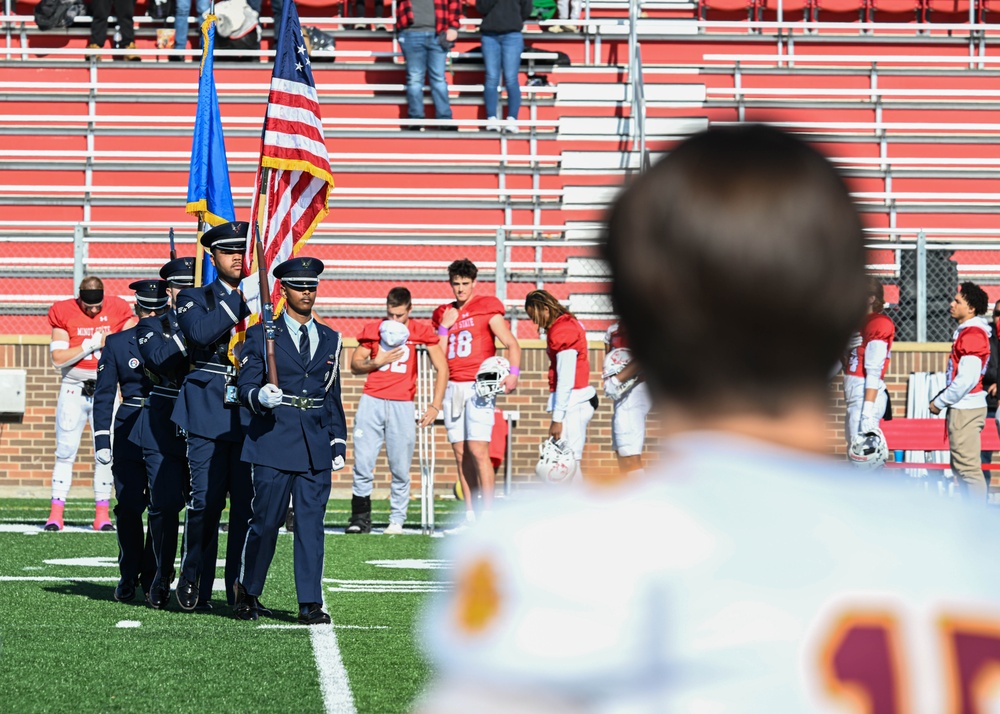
x,y
304,345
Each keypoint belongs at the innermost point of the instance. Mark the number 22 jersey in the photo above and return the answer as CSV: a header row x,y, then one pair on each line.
x,y
470,339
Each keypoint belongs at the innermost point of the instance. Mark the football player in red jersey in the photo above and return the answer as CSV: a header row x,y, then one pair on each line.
x,y
469,328
79,326
571,398
387,353
865,366
964,397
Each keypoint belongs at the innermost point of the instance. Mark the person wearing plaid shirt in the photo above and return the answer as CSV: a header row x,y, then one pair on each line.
x,y
427,29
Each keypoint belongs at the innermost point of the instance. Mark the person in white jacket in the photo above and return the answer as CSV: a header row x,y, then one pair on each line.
x,y
964,397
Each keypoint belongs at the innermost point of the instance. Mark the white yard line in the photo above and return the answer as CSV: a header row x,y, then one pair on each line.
x,y
337,696
53,578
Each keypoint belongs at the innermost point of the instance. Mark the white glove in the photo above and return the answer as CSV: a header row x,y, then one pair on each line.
x,y
855,341
612,388
338,463
91,344
269,396
103,456
869,422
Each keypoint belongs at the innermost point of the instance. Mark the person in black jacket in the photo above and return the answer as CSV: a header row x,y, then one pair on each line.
x,y
990,379
502,47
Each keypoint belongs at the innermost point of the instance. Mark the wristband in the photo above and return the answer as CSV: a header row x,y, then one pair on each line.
x,y
516,371
442,331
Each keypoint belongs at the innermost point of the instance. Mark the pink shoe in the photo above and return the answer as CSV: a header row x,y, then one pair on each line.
x,y
55,521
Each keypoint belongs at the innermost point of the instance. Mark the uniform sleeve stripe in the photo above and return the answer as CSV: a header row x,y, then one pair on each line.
x,y
180,344
102,433
229,312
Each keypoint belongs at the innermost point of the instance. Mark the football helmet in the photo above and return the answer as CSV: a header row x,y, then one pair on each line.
x,y
869,450
392,334
489,379
556,463
614,362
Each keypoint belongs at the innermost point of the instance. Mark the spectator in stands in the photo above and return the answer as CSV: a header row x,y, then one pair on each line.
x,y
503,43
990,384
182,23
865,366
572,400
568,10
964,396
100,10
79,327
356,8
426,30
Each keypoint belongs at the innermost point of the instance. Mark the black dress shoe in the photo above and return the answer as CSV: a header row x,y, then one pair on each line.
x,y
125,590
290,520
244,604
264,611
187,594
158,596
311,613
203,606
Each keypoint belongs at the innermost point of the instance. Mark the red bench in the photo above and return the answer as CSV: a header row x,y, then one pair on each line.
x,y
929,435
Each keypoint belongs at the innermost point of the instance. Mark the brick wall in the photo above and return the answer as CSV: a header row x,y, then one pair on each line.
x,y
26,448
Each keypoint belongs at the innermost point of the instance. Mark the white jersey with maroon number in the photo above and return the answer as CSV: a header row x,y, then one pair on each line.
x,y
743,577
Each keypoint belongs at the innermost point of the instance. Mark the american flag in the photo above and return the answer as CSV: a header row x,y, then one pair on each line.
x,y
293,177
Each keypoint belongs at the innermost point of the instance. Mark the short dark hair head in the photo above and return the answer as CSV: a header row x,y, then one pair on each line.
x,y
738,271
977,298
399,297
463,268
876,291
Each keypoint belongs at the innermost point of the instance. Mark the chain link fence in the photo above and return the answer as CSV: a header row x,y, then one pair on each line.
x,y
921,277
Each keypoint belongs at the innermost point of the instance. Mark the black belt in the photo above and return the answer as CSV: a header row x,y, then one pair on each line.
x,y
302,402
168,392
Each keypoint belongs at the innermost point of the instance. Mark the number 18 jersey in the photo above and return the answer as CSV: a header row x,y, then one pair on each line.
x,y
470,339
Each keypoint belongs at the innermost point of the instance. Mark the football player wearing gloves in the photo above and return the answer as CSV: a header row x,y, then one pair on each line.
x,y
964,397
297,435
79,327
865,366
469,328
572,400
800,585
387,353
624,386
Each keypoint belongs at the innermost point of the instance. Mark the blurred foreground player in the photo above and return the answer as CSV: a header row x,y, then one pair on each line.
x,y
79,327
748,570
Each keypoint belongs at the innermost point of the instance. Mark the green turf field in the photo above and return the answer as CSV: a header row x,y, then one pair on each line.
x,y
66,645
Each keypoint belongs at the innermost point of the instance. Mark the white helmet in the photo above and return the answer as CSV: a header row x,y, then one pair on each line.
x,y
392,334
614,362
489,379
869,450
556,463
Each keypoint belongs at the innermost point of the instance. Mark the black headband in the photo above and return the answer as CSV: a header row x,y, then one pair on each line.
x,y
92,297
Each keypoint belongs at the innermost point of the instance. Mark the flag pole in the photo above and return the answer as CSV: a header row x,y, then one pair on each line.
x,y
199,253
266,306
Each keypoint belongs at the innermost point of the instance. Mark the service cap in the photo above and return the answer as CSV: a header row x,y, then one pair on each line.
x,y
230,237
301,272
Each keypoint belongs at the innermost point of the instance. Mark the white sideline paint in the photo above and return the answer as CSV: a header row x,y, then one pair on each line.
x,y
129,624
52,579
333,682
412,564
336,627
385,586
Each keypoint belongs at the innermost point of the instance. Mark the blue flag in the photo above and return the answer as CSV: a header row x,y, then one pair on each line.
x,y
209,193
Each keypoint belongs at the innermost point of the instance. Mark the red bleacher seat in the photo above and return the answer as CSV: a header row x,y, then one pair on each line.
x,y
928,435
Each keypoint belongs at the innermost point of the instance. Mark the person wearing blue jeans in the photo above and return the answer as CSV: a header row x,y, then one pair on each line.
x,y
503,43
182,21
426,31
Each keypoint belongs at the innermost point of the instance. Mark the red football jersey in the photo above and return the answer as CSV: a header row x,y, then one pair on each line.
x,y
397,380
972,341
615,337
878,326
566,333
470,339
67,315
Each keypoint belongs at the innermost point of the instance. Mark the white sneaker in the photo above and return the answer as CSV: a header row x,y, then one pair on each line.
x,y
493,124
510,126
394,529
457,530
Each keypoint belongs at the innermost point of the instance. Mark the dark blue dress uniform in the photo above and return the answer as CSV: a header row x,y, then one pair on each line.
x,y
293,448
163,445
121,367
215,429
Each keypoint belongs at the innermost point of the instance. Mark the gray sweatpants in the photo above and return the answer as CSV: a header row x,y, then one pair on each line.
x,y
393,423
